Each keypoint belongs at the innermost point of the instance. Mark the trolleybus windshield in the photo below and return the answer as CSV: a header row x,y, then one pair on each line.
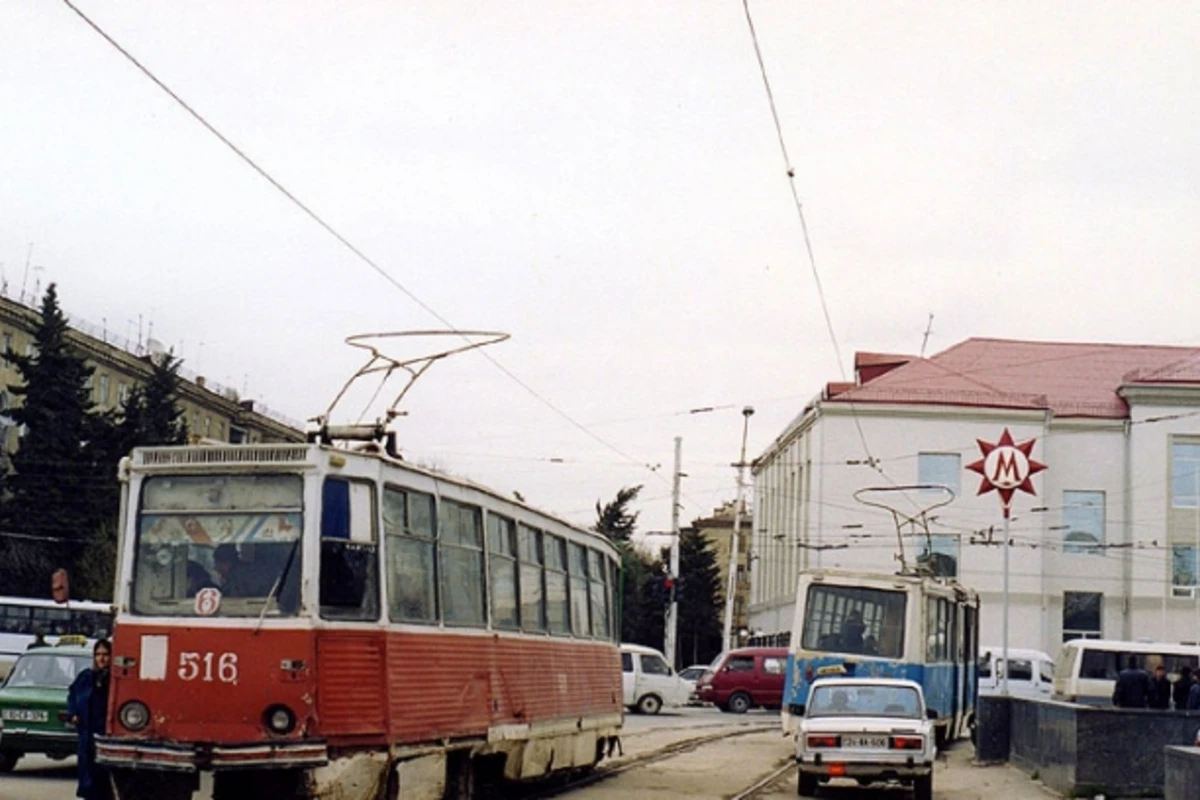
x,y
216,545
854,619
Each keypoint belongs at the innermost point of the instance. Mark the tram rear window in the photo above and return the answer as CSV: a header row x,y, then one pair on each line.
x,y
853,619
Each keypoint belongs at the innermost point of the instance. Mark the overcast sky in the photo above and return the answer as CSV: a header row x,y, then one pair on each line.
x,y
602,180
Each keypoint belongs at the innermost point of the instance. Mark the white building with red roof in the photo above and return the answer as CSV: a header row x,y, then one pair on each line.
x,y
1108,547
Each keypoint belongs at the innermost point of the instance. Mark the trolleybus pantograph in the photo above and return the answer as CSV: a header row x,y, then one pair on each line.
x,y
326,619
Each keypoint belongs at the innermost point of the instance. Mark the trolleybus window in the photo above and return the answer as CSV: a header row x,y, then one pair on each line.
x,y
579,591
558,610
349,551
502,568
460,554
237,534
412,579
533,608
851,619
599,595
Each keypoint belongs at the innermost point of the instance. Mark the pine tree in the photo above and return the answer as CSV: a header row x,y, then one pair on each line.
x,y
54,495
699,596
151,415
614,519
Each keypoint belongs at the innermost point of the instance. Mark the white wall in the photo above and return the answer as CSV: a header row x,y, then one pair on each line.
x,y
792,528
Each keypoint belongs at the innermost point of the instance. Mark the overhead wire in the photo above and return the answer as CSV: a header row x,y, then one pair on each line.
x,y
342,239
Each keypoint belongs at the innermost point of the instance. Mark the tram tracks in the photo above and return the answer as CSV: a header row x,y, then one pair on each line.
x,y
672,750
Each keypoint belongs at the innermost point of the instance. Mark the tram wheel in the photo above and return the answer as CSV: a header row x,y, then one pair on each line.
x,y
460,777
265,784
153,785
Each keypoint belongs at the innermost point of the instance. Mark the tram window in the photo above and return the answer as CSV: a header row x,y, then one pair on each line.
x,y
558,607
533,601
852,619
412,576
460,554
937,629
349,551
599,595
502,566
579,591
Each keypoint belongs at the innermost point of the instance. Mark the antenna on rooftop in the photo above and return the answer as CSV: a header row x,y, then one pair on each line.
x,y
928,330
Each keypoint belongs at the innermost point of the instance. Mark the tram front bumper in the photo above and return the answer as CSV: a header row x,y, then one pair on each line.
x,y
182,757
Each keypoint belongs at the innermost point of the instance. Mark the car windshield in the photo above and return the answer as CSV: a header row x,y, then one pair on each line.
x,y
219,545
693,673
46,670
858,700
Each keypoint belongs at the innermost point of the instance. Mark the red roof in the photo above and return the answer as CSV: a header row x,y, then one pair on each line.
x,y
1072,380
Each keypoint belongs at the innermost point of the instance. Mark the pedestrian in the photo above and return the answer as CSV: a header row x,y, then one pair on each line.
x,y
1193,698
1134,688
1161,699
39,640
1182,687
87,707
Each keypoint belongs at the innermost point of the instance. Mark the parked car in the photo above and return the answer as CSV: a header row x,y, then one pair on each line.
x,y
693,674
869,730
33,704
746,678
648,681
1030,672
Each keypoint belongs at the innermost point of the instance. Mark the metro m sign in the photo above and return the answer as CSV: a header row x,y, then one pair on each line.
x,y
1006,467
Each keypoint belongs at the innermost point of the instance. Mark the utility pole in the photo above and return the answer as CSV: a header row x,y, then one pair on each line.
x,y
673,572
728,638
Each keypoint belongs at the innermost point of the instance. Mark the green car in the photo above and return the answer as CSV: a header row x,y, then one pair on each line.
x,y
33,704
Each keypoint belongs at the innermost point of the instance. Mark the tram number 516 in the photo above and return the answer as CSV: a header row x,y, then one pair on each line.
x,y
201,665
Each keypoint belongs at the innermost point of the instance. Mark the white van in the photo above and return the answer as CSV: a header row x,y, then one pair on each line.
x,y
1087,668
1030,672
648,681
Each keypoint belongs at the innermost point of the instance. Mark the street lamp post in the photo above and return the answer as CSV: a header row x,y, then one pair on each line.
x,y
731,579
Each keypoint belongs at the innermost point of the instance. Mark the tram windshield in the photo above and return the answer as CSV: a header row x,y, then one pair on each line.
x,y
219,545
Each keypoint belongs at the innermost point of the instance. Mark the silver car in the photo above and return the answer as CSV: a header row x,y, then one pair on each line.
x,y
868,730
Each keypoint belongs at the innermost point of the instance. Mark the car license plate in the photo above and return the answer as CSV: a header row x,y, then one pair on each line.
x,y
865,742
24,715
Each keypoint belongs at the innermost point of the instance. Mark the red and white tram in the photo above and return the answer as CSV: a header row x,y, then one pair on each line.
x,y
312,621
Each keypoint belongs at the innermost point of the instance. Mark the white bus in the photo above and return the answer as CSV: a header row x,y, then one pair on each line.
x,y
1087,669
22,618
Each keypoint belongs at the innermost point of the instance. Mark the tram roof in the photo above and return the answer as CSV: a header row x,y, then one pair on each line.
x,y
209,457
845,575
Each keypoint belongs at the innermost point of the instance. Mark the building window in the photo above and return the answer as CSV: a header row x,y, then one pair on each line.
x,y
1184,570
8,348
1081,615
939,555
1083,522
122,393
207,426
1185,475
939,469
102,397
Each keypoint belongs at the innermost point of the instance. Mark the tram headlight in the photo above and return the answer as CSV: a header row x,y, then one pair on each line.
x,y
279,719
134,715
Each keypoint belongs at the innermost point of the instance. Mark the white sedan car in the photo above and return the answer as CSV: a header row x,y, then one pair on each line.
x,y
866,729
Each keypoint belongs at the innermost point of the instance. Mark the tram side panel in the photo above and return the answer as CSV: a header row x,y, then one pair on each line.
x,y
459,685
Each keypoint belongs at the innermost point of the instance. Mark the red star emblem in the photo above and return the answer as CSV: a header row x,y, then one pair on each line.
x,y
1007,468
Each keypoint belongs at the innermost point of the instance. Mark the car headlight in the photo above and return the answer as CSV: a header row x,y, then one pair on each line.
x,y
279,719
134,715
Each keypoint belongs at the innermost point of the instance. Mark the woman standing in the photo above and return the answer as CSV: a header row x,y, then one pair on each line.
x,y
87,708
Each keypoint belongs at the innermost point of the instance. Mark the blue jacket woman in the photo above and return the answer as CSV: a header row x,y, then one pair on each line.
x,y
87,709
